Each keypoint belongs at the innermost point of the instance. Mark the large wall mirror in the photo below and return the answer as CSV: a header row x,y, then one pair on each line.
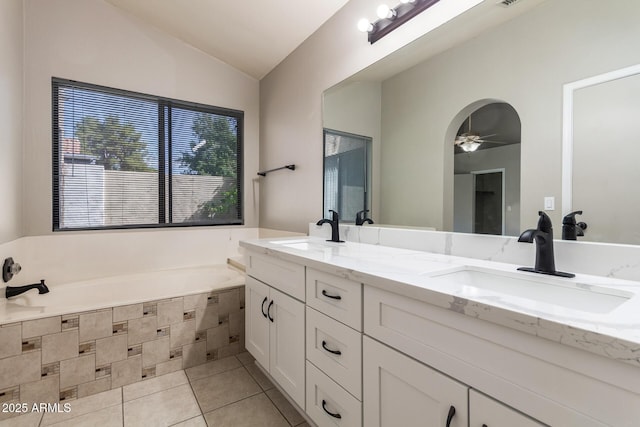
x,y
600,113
508,79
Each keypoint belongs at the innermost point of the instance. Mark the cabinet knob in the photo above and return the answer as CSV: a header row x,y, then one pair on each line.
x,y
269,311
263,312
452,412
324,292
334,415
324,345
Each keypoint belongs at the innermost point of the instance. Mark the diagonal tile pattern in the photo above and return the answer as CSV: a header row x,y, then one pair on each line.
x,y
229,392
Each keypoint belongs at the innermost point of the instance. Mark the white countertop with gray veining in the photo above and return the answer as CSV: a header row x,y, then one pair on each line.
x,y
597,314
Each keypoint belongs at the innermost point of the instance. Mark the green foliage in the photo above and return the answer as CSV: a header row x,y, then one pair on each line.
x,y
224,209
217,157
116,146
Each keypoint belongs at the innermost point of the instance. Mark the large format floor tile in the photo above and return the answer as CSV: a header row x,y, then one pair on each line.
x,y
85,405
153,385
255,411
231,392
290,413
164,408
221,389
107,417
212,368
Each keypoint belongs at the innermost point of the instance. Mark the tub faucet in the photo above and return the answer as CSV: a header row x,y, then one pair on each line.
x,y
335,226
12,291
361,217
543,236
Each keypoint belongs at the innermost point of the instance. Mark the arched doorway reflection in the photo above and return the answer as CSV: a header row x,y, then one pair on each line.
x,y
486,167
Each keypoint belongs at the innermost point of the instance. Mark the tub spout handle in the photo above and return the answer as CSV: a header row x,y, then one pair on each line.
x,y
13,291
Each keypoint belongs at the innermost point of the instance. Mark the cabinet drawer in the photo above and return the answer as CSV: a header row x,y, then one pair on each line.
x,y
326,401
485,411
325,338
336,297
282,275
399,391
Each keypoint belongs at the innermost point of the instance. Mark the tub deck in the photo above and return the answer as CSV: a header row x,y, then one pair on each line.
x,y
95,294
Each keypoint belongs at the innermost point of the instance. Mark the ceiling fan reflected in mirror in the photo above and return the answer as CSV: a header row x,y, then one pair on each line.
x,y
470,141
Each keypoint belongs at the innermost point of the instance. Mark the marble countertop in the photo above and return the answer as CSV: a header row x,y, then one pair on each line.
x,y
593,313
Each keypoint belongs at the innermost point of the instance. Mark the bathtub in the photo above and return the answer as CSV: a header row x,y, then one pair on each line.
x,y
90,336
95,294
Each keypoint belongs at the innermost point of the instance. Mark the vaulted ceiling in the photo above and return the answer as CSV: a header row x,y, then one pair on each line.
x,y
252,36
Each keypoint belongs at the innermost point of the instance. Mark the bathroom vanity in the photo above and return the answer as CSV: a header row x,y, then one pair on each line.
x,y
359,334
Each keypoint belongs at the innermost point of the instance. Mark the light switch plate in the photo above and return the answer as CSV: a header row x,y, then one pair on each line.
x,y
549,203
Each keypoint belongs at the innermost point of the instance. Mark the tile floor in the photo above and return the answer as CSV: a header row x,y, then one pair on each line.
x,y
226,392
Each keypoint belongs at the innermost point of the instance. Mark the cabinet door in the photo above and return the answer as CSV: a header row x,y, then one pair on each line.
x,y
486,412
398,391
286,361
256,322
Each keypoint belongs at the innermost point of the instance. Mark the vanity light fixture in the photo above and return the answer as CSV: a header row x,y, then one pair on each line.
x,y
392,18
385,12
365,26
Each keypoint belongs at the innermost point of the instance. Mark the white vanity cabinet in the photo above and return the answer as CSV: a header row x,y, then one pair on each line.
x,y
486,412
275,322
398,391
549,382
387,353
334,350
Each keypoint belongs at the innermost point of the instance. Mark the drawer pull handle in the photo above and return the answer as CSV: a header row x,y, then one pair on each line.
x,y
263,312
452,412
324,406
338,297
269,311
324,345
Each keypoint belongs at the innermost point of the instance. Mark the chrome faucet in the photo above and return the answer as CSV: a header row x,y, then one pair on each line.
x,y
13,291
361,217
543,236
335,226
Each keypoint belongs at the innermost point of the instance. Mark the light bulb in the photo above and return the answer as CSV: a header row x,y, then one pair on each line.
x,y
470,147
385,11
365,26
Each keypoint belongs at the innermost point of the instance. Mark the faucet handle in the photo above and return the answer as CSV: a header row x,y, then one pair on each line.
x,y
570,218
335,215
360,216
544,223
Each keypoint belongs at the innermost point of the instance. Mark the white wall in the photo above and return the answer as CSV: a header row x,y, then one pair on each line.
x,y
11,106
291,105
94,42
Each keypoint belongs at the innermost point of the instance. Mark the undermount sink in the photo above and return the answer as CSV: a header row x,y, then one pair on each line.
x,y
302,244
476,281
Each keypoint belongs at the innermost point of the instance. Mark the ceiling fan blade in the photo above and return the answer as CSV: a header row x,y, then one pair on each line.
x,y
500,142
487,136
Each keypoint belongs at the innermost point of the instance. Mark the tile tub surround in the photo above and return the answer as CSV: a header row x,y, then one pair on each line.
x,y
614,335
599,259
67,357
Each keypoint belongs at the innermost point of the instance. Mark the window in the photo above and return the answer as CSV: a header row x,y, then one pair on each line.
x,y
128,160
346,173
